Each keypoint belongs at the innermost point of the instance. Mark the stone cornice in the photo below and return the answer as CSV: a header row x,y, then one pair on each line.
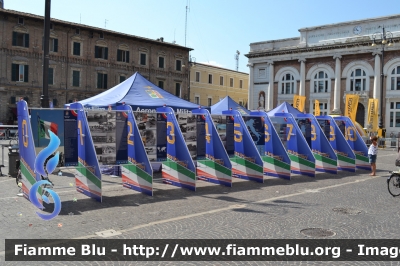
x,y
311,49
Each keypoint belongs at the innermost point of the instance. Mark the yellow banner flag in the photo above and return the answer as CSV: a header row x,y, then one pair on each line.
x,y
373,114
351,106
299,102
317,111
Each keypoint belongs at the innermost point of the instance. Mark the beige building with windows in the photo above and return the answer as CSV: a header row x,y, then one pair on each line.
x,y
84,61
209,84
327,62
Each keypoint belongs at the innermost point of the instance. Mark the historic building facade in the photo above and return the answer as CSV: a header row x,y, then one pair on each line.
x,y
84,61
327,62
209,84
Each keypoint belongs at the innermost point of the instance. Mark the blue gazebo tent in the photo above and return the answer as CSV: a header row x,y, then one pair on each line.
x,y
226,104
139,93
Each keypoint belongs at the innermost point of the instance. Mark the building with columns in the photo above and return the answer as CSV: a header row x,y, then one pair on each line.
x,y
327,62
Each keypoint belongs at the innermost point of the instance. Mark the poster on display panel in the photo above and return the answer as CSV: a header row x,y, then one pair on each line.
x,y
246,162
275,158
345,155
214,166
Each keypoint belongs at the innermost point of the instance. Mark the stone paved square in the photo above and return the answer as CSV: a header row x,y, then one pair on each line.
x,y
277,209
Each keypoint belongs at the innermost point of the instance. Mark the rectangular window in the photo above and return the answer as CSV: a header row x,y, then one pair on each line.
x,y
161,84
209,78
77,31
143,59
19,73
76,76
241,84
53,45
178,89
197,76
101,81
196,99
21,20
241,103
231,82
20,39
50,76
76,48
160,62
101,35
178,65
101,52
221,80
122,78
391,119
395,83
122,56
397,119
209,101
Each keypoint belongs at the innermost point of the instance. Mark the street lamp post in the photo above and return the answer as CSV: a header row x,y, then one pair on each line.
x,y
44,100
385,35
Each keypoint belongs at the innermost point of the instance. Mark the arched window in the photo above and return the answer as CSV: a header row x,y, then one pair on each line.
x,y
321,82
358,80
287,84
395,79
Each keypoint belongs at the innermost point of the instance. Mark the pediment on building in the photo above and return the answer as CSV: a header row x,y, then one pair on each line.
x,y
123,46
19,59
101,43
20,28
77,38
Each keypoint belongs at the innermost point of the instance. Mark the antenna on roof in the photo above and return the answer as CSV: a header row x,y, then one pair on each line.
x,y
80,18
105,23
237,60
187,8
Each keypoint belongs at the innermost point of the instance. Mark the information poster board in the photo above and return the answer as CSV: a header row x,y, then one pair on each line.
x,y
137,173
275,158
346,157
325,156
355,141
214,166
255,126
147,125
44,119
246,163
70,138
301,156
102,126
179,169
87,174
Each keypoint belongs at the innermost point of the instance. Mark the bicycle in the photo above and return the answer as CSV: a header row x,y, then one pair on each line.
x,y
393,181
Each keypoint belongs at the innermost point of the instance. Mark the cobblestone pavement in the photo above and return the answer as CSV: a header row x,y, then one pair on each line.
x,y
275,209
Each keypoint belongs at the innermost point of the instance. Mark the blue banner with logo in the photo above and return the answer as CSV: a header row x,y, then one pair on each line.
x,y
346,157
27,151
88,175
216,167
301,156
137,174
325,156
355,141
275,158
247,162
179,169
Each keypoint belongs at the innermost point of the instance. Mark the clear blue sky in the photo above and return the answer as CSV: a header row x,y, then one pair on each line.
x,y
216,29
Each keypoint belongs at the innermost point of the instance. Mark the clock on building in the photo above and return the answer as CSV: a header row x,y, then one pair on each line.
x,y
357,30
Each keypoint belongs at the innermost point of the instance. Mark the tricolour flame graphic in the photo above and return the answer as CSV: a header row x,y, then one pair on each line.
x,y
45,153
